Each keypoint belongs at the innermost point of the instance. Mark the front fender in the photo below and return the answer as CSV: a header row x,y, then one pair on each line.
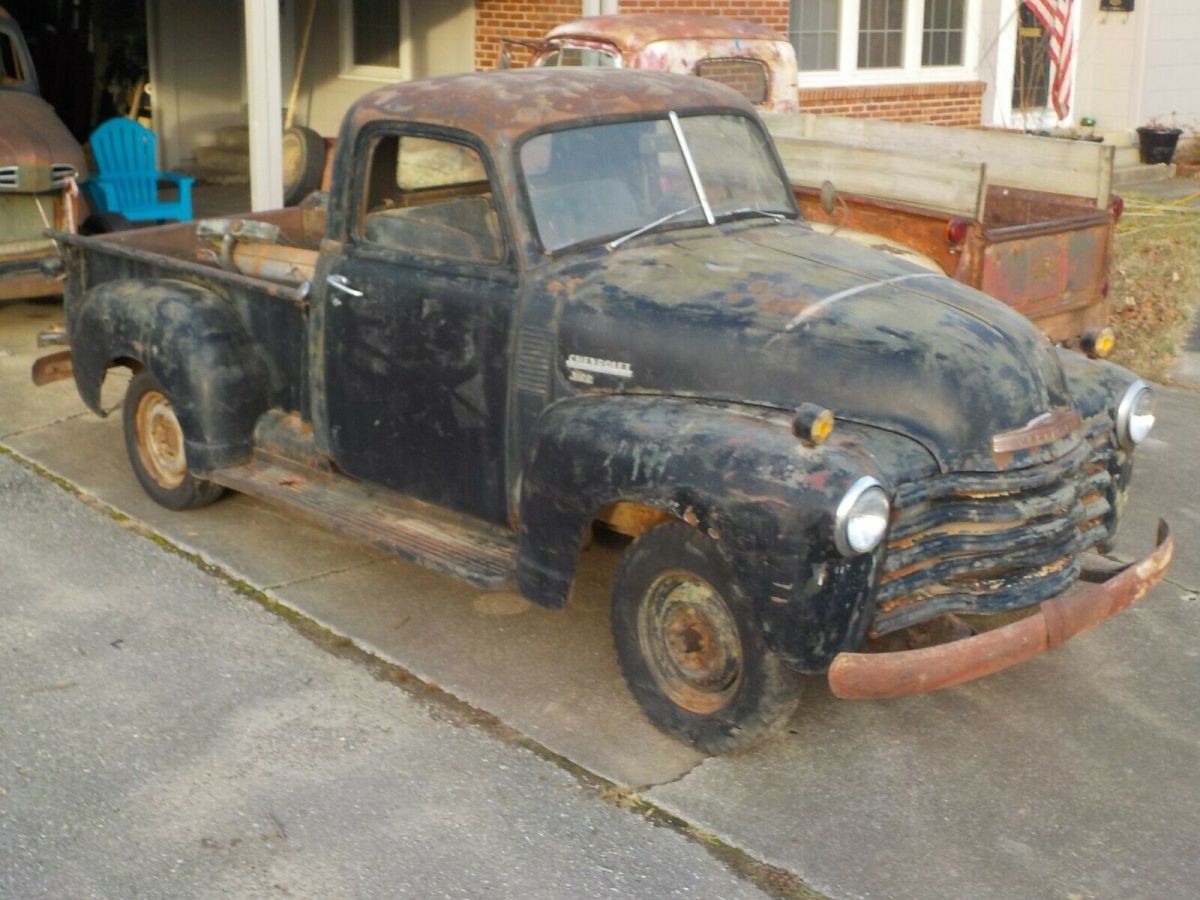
x,y
194,344
735,472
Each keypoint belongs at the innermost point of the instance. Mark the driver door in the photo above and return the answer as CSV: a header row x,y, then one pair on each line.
x,y
418,310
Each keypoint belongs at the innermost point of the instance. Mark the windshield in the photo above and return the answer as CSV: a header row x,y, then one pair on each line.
x,y
606,181
566,55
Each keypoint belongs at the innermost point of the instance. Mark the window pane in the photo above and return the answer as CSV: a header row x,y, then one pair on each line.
x,y
881,33
581,56
810,15
942,40
377,33
814,33
8,60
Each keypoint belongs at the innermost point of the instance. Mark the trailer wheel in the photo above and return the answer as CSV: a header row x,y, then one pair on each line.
x,y
690,646
154,442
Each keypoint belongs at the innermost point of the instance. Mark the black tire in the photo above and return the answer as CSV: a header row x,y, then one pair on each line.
x,y
690,646
303,163
154,443
105,223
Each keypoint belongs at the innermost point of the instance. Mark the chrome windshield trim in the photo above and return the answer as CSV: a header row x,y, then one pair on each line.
x,y
691,167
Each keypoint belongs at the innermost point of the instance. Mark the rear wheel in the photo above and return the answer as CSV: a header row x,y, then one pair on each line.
x,y
155,445
691,648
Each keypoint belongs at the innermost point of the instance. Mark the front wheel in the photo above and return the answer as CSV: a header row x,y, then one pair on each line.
x,y
154,442
690,646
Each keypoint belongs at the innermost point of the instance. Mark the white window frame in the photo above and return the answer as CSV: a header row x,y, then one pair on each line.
x,y
353,72
847,74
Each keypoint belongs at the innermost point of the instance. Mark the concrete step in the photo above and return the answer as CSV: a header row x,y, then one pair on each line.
x,y
234,136
230,160
1121,138
1130,176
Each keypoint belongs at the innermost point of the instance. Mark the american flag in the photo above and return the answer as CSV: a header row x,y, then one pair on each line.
x,y
1056,18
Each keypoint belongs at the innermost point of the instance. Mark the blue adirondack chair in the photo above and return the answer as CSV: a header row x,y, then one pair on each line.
x,y
128,177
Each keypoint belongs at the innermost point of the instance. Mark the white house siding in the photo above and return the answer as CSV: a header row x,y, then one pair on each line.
x,y
1171,88
1106,80
199,60
443,40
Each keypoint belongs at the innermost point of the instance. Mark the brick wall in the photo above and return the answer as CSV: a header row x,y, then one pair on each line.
x,y
954,103
495,19
762,12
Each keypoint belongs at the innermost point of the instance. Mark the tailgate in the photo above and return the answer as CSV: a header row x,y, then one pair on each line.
x,y
1049,267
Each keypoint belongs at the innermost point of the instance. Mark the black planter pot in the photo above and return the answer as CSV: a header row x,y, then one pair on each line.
x,y
1158,144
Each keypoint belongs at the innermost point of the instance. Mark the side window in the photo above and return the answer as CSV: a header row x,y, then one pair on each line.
x,y
430,197
10,63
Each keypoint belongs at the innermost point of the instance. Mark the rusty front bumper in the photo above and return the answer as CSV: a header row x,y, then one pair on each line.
x,y
879,676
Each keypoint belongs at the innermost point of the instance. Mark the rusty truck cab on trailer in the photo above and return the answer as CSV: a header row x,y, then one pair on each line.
x,y
38,160
751,59
542,302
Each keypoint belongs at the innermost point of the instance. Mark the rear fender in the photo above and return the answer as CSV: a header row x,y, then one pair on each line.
x,y
194,344
736,473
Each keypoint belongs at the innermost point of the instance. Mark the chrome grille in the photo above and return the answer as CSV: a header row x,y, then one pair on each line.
x,y
989,542
60,172
34,179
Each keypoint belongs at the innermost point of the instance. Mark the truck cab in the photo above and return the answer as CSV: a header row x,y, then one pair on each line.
x,y
751,59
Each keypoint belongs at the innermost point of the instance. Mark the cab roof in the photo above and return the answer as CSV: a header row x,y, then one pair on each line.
x,y
633,32
506,104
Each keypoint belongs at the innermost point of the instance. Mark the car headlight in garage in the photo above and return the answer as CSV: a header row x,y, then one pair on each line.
x,y
1135,415
862,516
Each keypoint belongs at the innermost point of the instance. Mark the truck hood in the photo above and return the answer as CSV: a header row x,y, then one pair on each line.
x,y
33,135
780,315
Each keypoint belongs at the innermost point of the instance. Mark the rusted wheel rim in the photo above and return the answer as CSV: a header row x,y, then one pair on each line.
x,y
690,640
293,157
160,440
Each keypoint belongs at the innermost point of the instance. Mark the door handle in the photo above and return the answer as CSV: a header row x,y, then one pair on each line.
x,y
341,283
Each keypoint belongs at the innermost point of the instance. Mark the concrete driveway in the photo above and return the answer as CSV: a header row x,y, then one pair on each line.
x,y
1074,775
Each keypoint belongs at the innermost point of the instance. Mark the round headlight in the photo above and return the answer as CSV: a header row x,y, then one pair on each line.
x,y
1135,415
862,517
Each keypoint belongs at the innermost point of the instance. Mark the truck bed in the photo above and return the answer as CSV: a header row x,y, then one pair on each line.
x,y
266,283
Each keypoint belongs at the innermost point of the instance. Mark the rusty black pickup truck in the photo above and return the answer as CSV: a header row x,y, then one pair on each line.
x,y
540,304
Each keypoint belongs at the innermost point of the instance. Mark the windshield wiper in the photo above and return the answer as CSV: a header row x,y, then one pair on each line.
x,y
661,220
754,210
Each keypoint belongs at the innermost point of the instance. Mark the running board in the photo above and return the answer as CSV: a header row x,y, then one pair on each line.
x,y
458,545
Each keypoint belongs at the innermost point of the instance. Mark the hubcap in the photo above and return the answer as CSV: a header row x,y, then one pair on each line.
x,y
160,440
690,639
